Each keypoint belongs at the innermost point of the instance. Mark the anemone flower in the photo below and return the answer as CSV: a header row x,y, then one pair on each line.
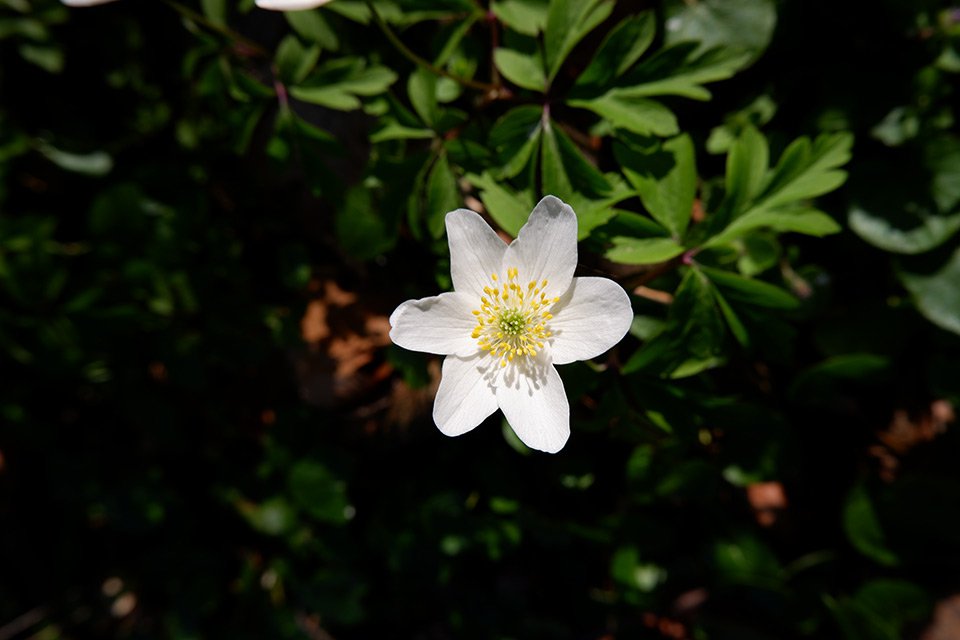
x,y
516,311
273,5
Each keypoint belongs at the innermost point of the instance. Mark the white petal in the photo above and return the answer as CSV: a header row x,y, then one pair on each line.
x,y
441,324
536,407
546,247
290,5
476,251
592,316
84,3
465,397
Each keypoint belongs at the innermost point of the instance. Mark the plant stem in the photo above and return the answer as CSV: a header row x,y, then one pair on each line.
x,y
422,62
247,44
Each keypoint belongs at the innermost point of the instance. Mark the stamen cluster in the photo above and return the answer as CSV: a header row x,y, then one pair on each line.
x,y
512,320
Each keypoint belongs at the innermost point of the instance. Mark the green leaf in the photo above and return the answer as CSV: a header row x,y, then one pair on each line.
x,y
318,492
515,136
362,230
805,171
863,527
312,26
337,84
679,70
215,11
639,115
807,221
295,61
622,47
422,89
756,292
442,195
553,176
666,180
908,219
738,25
695,311
509,210
746,168
628,250
937,294
736,326
528,17
568,21
521,69
913,231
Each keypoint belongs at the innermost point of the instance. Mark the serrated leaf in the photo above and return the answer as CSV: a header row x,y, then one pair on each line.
x,y
521,69
568,21
666,180
639,115
628,250
622,47
811,222
295,61
337,84
807,170
739,25
679,70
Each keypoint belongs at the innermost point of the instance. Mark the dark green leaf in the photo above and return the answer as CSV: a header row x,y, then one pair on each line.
x,y
666,181
937,293
622,47
751,291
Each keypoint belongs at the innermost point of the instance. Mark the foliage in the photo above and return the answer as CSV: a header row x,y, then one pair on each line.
x,y
187,191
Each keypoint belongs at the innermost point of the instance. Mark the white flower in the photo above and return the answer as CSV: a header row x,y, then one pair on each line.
x,y
274,5
290,5
515,312
84,3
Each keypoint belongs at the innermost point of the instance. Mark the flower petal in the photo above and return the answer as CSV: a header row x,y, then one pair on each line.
x,y
546,247
465,397
476,251
290,5
536,406
441,324
592,316
84,3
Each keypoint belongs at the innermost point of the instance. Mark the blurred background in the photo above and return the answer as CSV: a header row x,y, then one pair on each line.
x,y
208,212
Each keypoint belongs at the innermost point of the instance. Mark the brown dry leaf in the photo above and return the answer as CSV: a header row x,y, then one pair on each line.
x,y
768,500
946,620
906,431
342,336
